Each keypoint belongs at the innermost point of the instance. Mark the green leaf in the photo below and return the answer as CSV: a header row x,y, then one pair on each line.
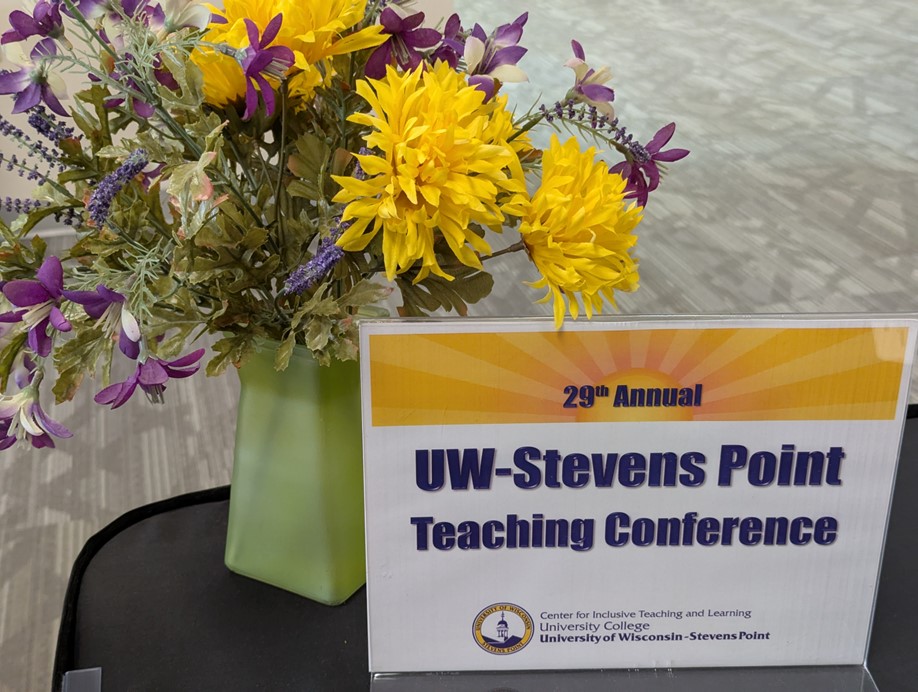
x,y
67,385
77,357
282,357
219,234
173,345
235,349
256,277
415,301
307,163
97,95
113,151
8,355
75,175
316,305
364,293
434,293
318,334
161,148
87,123
24,224
40,247
346,348
192,194
341,160
189,181
103,244
71,147
190,94
214,139
161,286
311,154
6,232
255,238
306,189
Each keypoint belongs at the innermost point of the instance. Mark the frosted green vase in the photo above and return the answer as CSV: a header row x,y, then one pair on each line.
x,y
296,500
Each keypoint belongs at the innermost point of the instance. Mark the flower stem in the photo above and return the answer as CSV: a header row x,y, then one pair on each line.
x,y
281,166
533,120
81,20
516,247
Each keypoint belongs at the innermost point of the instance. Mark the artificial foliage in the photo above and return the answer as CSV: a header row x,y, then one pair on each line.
x,y
270,171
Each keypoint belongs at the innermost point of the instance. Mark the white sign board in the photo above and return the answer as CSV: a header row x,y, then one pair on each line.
x,y
655,493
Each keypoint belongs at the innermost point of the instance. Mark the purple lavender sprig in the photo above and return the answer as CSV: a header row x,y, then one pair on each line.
x,y
47,125
100,202
69,217
35,149
644,171
601,124
17,205
328,254
643,167
23,168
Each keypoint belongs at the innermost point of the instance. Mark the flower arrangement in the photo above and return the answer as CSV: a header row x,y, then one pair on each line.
x,y
250,171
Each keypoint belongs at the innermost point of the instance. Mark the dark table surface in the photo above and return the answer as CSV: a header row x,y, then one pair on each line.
x,y
151,602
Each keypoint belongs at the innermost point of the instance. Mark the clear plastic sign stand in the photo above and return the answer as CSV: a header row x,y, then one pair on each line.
x,y
807,678
568,511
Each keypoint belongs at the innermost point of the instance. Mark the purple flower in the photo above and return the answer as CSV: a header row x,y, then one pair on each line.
x,y
406,39
328,254
35,83
259,60
163,75
45,21
139,106
173,15
642,173
100,201
107,308
114,10
492,59
120,71
589,84
22,418
41,300
151,375
453,44
6,439
23,369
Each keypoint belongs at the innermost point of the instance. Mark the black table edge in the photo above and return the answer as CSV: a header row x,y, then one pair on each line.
x,y
63,658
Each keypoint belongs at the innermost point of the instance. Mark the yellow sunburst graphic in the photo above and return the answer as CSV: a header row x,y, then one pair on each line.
x,y
796,373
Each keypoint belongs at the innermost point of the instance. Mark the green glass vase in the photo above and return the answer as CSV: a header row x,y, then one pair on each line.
x,y
296,499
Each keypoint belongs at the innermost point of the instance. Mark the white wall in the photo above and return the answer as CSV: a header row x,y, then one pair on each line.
x,y
434,10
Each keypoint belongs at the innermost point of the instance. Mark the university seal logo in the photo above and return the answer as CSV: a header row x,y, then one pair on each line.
x,y
502,628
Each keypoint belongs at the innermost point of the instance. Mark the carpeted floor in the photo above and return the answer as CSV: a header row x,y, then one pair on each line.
x,y
800,196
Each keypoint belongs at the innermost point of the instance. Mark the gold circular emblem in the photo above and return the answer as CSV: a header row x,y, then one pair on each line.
x,y
502,628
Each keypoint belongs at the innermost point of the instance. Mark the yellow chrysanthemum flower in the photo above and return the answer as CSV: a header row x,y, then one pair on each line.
x,y
444,164
224,81
313,30
578,228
